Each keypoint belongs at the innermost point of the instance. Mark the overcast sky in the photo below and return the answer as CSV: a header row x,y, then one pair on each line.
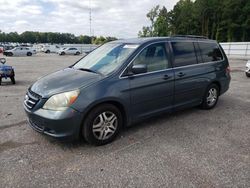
x,y
119,18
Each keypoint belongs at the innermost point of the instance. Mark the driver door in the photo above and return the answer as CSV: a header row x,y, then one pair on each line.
x,y
152,92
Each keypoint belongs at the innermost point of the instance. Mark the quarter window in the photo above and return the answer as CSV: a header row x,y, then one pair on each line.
x,y
154,56
184,54
210,52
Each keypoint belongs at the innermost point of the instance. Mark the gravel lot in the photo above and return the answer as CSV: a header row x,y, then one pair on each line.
x,y
191,148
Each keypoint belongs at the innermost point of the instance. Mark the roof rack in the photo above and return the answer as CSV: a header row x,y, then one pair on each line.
x,y
191,36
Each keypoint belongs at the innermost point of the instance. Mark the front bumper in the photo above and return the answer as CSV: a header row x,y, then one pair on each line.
x,y
65,125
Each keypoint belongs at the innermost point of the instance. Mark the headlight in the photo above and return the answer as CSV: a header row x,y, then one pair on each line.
x,y
62,101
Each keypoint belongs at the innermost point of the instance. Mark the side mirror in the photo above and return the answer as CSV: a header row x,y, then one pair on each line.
x,y
3,60
139,69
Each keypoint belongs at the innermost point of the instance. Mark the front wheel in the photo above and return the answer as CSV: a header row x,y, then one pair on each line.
x,y
248,74
102,124
77,53
29,54
211,97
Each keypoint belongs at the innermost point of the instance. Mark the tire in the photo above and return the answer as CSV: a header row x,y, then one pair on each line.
x,y
105,118
13,80
0,80
29,54
47,52
211,97
77,53
63,53
247,74
10,54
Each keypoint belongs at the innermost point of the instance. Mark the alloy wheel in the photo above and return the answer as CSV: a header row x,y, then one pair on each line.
x,y
105,125
212,96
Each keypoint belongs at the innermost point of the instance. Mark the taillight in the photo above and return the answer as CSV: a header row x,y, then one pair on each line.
x,y
228,70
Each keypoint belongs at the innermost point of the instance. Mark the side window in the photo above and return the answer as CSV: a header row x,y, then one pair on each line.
x,y
198,52
184,53
154,56
210,52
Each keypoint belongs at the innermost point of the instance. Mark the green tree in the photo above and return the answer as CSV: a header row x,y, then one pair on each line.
x,y
102,40
146,32
224,20
161,25
84,39
152,15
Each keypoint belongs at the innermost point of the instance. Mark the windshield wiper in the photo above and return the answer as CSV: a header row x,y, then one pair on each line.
x,y
89,70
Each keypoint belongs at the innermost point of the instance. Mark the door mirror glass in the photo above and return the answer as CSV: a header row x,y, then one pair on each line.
x,y
139,69
3,60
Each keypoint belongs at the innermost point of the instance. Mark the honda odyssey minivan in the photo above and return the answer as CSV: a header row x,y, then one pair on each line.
x,y
126,81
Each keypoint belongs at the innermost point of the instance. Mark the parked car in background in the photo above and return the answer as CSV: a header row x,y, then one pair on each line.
x,y
6,72
69,51
20,51
50,48
126,81
8,47
248,68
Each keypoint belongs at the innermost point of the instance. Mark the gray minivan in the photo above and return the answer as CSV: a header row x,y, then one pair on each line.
x,y
126,81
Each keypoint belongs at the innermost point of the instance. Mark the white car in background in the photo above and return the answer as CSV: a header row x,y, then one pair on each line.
x,y
248,68
69,51
20,51
50,48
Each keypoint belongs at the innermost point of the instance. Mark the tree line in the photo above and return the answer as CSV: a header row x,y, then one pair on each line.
x,y
223,20
50,37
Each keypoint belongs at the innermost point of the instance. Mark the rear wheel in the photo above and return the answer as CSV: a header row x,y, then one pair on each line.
x,y
211,97
47,52
77,53
247,74
0,80
10,54
63,53
13,80
102,124
29,54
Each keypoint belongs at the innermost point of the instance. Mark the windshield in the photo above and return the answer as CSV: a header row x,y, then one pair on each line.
x,y
106,58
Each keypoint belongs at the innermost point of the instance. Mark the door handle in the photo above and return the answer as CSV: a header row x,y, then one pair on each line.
x,y
181,74
166,77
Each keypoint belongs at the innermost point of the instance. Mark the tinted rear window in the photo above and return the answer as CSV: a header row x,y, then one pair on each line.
x,y
210,52
184,53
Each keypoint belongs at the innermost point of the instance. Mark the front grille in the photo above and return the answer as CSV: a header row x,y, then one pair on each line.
x,y
31,99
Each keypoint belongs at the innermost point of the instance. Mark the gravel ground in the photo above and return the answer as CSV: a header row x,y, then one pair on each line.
x,y
191,148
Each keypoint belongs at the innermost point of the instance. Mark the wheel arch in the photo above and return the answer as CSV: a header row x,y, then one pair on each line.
x,y
218,84
116,103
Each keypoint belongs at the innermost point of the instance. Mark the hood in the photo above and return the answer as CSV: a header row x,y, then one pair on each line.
x,y
65,80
